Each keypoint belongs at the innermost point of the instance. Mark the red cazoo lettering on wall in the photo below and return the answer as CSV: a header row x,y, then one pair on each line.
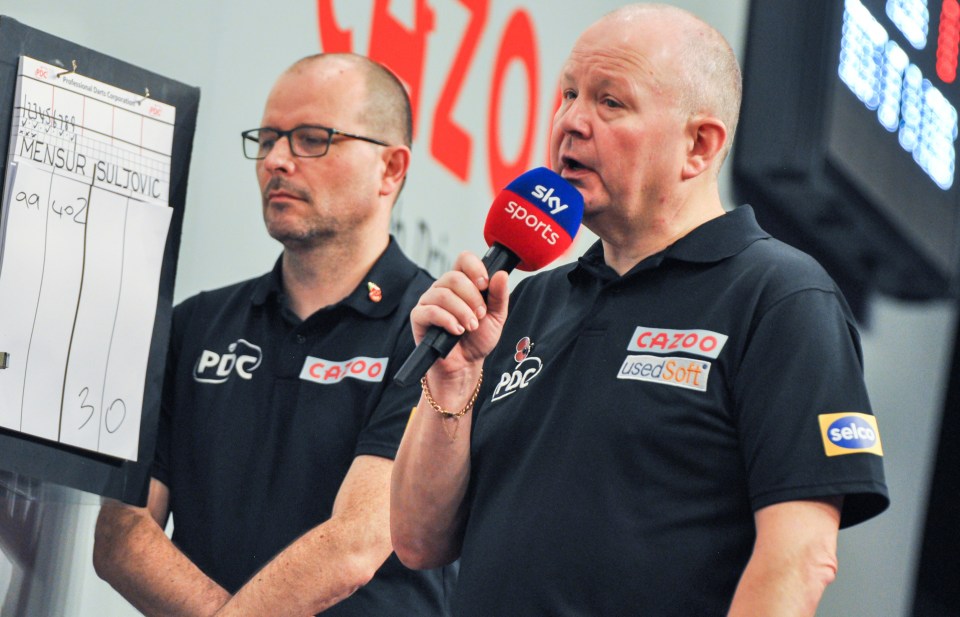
x,y
404,51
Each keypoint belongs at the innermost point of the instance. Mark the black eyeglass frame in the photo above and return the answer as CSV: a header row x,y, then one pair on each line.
x,y
248,136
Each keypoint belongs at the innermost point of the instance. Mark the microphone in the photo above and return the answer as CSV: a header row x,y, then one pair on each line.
x,y
531,222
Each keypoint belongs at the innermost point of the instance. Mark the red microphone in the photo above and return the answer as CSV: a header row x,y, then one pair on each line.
x,y
531,222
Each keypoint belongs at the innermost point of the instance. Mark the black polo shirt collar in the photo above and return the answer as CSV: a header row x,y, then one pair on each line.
x,y
715,240
378,294
269,286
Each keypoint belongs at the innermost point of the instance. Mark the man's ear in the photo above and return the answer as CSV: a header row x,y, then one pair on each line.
x,y
706,138
396,161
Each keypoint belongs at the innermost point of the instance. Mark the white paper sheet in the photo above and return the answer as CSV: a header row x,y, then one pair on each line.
x,y
84,225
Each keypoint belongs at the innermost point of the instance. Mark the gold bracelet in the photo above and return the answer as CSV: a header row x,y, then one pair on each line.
x,y
443,412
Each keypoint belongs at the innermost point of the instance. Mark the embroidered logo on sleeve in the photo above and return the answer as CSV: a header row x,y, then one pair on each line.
x,y
850,433
328,372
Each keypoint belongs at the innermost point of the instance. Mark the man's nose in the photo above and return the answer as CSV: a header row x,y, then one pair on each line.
x,y
575,119
279,157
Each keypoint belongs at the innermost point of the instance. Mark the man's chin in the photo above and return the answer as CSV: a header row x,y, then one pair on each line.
x,y
297,239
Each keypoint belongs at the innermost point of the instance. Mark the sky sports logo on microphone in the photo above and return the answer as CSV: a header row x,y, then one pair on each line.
x,y
536,216
545,195
531,220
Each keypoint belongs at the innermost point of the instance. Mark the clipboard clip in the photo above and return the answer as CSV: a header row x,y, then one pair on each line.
x,y
68,71
146,95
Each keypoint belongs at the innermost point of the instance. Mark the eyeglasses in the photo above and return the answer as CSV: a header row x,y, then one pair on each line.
x,y
308,141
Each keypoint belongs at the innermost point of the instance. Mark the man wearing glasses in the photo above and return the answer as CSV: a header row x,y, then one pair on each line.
x,y
280,418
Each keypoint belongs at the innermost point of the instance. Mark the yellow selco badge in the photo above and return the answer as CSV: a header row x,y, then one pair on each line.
x,y
850,433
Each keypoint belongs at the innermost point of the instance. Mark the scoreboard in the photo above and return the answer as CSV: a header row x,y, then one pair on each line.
x,y
847,139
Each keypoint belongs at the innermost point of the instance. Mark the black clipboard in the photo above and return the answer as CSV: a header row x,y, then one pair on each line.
x,y
47,461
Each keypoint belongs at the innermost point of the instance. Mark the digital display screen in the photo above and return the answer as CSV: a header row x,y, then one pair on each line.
x,y
880,73
893,119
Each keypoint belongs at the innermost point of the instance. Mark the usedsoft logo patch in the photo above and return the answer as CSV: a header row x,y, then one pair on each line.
x,y
671,371
850,433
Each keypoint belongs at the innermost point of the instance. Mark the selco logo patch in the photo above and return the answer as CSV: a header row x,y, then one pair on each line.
x,y
669,371
326,372
662,340
850,433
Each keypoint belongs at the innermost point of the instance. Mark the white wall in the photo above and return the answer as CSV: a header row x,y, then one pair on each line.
x,y
234,49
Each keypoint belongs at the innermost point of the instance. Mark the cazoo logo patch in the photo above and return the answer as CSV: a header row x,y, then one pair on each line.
x,y
703,343
364,368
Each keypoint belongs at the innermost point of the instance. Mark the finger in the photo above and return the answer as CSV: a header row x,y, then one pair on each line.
x,y
449,300
423,317
498,296
463,287
473,268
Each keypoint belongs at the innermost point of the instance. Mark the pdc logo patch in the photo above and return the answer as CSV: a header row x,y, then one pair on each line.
x,y
522,374
241,358
850,433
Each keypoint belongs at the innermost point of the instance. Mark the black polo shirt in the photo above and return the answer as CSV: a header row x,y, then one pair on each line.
x,y
629,427
263,415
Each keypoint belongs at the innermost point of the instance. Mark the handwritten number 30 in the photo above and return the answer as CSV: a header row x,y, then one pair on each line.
x,y
111,422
